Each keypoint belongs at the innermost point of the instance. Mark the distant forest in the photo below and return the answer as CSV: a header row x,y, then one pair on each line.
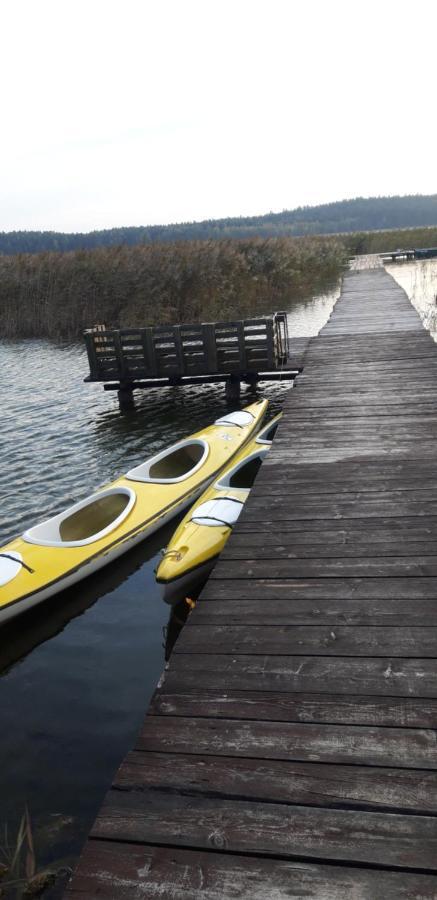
x,y
343,217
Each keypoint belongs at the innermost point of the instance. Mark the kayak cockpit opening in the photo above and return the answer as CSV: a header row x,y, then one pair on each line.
x,y
173,465
267,433
243,475
85,522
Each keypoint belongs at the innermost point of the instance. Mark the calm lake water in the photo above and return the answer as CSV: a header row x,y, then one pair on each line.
x,y
78,672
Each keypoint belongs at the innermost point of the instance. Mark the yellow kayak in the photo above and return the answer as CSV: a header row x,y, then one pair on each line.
x,y
65,549
203,532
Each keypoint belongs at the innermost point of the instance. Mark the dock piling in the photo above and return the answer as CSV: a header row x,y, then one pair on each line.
x,y
232,389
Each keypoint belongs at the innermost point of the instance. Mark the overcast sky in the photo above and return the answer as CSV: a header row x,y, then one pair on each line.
x,y
156,111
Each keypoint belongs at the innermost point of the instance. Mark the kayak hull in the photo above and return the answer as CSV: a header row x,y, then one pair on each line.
x,y
189,583
90,567
66,549
203,532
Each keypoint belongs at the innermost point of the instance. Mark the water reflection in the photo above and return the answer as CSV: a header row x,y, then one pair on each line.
x,y
26,632
178,616
309,316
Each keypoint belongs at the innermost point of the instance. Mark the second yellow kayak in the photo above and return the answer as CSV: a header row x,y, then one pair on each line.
x,y
203,532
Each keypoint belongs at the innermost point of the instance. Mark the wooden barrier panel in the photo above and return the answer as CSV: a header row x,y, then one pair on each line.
x,y
177,351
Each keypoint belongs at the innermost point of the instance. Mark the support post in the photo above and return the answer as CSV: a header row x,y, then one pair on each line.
x,y
125,397
233,385
252,380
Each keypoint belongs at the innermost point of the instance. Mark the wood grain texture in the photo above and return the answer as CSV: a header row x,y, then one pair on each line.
x,y
124,871
320,674
315,640
292,611
314,587
358,745
349,709
308,784
269,829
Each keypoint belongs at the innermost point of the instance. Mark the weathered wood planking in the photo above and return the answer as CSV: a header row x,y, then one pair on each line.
x,y
396,712
317,640
291,749
121,871
347,836
381,676
282,781
360,745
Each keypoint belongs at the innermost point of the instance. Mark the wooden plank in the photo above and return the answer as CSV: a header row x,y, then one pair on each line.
x,y
271,479
343,675
342,414
297,741
310,640
356,567
208,333
92,355
342,507
412,588
269,829
308,784
366,472
285,547
270,706
109,869
350,611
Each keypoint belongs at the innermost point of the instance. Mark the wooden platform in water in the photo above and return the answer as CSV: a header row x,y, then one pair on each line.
x,y
291,750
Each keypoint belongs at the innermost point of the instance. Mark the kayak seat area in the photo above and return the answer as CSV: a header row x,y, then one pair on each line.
x,y
86,521
174,464
177,464
246,474
266,435
93,518
242,476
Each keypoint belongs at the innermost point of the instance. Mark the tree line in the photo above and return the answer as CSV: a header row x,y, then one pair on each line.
x,y
345,216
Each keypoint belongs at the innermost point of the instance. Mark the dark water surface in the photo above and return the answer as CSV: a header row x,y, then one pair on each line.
x,y
78,671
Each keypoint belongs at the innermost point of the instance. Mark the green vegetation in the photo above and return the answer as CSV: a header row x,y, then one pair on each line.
x,y
344,216
20,875
378,241
57,295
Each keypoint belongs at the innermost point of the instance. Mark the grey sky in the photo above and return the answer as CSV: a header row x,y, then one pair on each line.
x,y
154,111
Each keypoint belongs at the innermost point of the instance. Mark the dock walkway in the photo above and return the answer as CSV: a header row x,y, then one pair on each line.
x,y
291,750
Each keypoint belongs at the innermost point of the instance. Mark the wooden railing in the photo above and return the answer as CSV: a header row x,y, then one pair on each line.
x,y
177,351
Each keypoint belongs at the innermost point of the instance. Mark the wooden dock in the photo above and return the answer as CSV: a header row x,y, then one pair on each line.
x,y
291,749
